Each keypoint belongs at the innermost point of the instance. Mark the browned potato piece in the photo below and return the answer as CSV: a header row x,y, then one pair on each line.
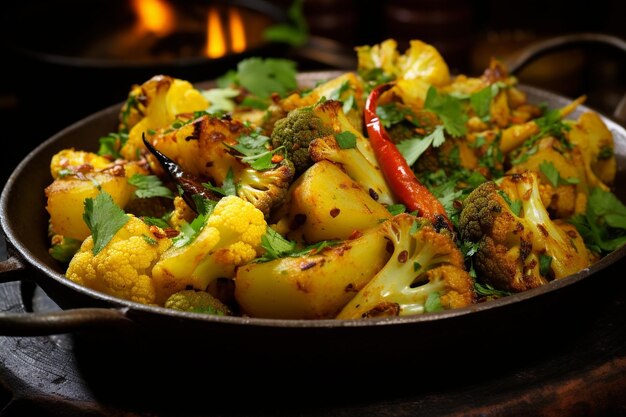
x,y
66,197
326,204
314,286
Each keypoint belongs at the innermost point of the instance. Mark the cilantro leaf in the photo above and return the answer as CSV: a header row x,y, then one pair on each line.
x,y
481,101
486,290
391,114
395,209
263,77
149,186
346,139
220,99
189,231
433,303
554,177
64,251
413,148
275,245
111,144
104,219
603,225
545,261
448,109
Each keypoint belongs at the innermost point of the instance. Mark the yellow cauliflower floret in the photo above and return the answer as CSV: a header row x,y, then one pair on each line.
x,y
123,268
231,236
165,98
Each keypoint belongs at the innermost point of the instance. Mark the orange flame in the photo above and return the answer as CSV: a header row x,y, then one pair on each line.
x,y
215,40
237,31
155,16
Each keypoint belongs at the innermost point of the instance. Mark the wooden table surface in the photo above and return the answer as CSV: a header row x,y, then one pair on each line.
x,y
579,372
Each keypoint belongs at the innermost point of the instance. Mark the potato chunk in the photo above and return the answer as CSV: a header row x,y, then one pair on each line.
x,y
326,204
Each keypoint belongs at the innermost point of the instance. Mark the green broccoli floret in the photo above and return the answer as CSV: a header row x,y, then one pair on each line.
x,y
358,160
295,132
520,246
425,273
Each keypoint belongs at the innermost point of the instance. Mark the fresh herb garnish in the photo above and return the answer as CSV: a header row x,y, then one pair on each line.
x,y
111,144
104,219
554,177
545,261
448,109
149,186
603,225
413,148
346,139
221,99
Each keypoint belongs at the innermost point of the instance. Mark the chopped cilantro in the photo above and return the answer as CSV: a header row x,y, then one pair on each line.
x,y
221,99
413,148
603,225
65,250
111,144
514,205
104,219
545,261
346,139
395,209
275,245
552,174
264,77
392,113
486,290
433,303
448,109
149,186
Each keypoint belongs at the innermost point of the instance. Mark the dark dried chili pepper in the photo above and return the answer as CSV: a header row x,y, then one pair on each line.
x,y
189,184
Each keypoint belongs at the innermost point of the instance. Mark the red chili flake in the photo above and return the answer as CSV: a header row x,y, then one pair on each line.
x,y
169,232
403,256
157,232
276,158
84,168
335,212
355,235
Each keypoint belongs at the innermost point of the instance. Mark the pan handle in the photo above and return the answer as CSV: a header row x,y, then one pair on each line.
x,y
541,48
49,323
12,268
66,321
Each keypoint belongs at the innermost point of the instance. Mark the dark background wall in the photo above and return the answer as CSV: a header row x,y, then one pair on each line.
x,y
37,99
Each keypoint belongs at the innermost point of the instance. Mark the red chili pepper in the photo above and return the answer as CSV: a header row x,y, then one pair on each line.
x,y
397,172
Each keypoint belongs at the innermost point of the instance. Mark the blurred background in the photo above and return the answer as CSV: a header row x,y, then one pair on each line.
x,y
65,59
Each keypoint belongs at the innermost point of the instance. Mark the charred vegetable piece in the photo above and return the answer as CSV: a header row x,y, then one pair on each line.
x,y
190,184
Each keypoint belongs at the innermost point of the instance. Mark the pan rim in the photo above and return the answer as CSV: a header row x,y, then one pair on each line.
x,y
130,307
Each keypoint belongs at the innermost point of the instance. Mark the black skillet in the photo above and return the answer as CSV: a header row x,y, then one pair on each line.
x,y
24,222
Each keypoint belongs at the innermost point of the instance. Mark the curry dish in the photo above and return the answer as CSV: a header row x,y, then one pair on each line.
x,y
393,189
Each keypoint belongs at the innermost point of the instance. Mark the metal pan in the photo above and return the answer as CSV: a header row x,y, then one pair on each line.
x,y
24,222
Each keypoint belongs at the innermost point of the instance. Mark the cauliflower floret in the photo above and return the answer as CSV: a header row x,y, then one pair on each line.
x,y
123,268
197,302
230,236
